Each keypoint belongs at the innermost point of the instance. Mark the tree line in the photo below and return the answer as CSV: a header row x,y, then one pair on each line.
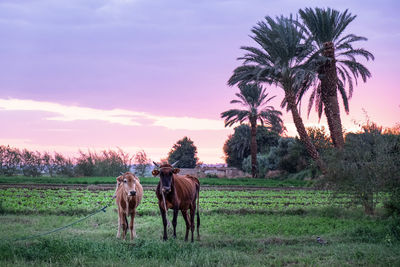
x,y
14,161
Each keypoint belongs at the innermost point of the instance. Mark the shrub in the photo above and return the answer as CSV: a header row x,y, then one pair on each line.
x,y
394,226
263,165
289,155
368,164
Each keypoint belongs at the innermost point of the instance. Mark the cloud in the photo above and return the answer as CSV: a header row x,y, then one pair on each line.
x,y
118,116
187,123
71,113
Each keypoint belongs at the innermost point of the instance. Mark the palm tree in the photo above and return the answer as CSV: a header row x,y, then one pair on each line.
x,y
283,60
254,98
325,27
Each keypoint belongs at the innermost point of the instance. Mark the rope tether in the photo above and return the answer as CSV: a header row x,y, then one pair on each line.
x,y
103,209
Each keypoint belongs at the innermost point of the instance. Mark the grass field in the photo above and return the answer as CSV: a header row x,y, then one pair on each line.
x,y
154,181
239,228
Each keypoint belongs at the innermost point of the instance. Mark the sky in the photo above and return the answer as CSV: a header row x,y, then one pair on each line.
x,y
139,74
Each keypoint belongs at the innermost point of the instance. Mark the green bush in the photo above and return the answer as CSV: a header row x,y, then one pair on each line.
x,y
392,204
393,228
289,155
368,164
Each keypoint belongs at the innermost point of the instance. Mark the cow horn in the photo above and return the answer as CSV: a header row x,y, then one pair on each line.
x,y
156,164
121,173
173,165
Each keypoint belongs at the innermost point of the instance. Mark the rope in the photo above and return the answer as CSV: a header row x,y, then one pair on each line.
x,y
165,206
103,209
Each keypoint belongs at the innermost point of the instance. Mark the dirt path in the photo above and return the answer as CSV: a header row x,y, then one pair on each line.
x,y
106,187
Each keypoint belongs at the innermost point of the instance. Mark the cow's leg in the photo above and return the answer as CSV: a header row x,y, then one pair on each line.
x,y
132,225
124,225
192,212
174,219
119,225
164,219
186,218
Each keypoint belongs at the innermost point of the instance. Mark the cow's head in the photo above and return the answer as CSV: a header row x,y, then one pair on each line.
x,y
166,173
128,181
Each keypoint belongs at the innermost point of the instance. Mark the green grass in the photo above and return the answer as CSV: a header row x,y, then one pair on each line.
x,y
226,240
238,228
154,181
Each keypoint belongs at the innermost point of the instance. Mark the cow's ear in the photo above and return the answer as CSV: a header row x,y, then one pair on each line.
x,y
176,170
120,178
155,172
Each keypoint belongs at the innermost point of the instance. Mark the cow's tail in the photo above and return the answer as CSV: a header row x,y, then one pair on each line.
x,y
198,211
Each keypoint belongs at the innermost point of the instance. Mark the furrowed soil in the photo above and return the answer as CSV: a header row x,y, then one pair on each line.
x,y
105,187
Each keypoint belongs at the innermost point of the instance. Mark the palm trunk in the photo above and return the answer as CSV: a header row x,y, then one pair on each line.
x,y
329,96
253,147
301,130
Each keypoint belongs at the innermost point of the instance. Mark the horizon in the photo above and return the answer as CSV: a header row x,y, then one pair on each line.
x,y
139,75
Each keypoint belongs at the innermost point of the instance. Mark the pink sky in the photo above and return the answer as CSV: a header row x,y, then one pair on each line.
x,y
83,74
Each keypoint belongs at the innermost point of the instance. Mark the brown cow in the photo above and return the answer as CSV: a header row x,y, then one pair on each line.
x,y
128,196
178,192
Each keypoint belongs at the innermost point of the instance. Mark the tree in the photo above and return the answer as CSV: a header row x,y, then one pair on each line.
x,y
63,166
142,163
284,60
48,162
185,152
86,164
325,28
31,163
106,163
10,160
237,146
255,100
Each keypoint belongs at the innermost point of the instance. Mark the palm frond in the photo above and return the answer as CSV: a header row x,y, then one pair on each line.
x,y
344,97
357,69
233,116
311,102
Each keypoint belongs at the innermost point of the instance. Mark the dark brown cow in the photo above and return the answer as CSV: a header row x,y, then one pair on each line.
x,y
177,192
129,193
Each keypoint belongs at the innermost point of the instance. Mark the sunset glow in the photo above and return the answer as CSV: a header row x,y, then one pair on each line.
x,y
143,74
